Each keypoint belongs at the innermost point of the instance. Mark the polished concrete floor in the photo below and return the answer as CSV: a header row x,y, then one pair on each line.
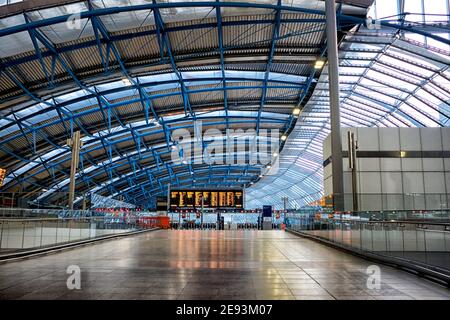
x,y
194,264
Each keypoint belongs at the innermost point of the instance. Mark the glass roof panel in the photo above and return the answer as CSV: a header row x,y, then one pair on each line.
x,y
73,29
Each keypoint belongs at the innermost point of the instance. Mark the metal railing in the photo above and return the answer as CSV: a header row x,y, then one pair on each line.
x,y
43,213
426,243
392,201
30,233
405,215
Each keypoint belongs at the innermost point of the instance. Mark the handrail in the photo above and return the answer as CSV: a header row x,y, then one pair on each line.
x,y
26,233
49,219
431,272
389,222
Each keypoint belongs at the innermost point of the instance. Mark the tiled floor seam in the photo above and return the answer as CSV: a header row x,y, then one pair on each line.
x,y
304,272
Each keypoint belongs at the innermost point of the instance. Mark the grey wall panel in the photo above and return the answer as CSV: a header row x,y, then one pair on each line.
x,y
391,180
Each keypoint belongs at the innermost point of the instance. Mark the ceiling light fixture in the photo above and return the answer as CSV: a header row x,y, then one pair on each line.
x,y
126,81
283,137
319,64
296,111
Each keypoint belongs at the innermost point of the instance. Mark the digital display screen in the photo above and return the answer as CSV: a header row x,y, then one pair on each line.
x,y
2,175
214,199
209,198
161,203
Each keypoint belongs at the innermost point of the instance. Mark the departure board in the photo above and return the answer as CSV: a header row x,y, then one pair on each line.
x,y
206,198
191,199
2,175
222,199
238,199
214,199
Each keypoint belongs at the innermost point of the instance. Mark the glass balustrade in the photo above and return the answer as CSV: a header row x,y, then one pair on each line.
x,y
422,239
28,233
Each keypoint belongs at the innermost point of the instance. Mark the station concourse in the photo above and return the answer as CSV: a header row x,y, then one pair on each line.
x,y
204,265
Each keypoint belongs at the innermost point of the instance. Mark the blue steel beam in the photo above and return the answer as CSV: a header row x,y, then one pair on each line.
x,y
187,183
39,36
122,103
98,25
217,180
168,171
104,139
152,6
135,183
236,170
139,87
222,61
32,34
90,43
275,34
308,87
118,141
120,163
124,163
107,146
165,41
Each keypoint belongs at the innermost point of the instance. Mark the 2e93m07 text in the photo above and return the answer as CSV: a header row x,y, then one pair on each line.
x,y
259,309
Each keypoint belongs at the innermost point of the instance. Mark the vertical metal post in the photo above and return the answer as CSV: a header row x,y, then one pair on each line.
x,y
1,233
75,144
335,117
168,198
42,233
23,233
285,202
352,146
201,213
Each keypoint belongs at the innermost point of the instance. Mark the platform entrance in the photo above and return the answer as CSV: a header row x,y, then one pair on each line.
x,y
221,220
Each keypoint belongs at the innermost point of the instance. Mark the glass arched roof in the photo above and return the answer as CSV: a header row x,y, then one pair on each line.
x,y
388,78
136,70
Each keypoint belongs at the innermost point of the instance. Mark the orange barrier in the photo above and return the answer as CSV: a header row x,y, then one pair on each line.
x,y
154,222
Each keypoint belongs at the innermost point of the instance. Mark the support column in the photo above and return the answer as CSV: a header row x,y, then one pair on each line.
x,y
352,146
168,198
285,202
75,143
335,117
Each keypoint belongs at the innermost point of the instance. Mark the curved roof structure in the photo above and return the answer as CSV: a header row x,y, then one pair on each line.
x,y
385,82
128,74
